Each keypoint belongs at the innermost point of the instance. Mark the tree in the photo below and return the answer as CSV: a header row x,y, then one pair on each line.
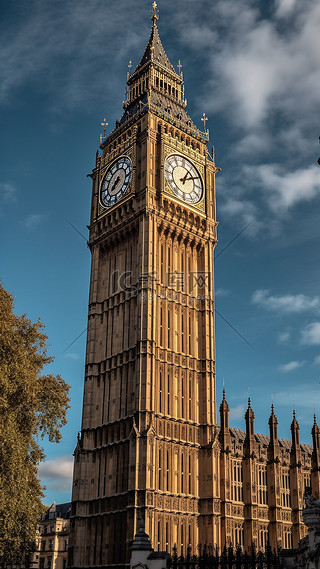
x,y
31,406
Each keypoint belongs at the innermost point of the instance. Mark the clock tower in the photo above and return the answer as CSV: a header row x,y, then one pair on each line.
x,y
145,456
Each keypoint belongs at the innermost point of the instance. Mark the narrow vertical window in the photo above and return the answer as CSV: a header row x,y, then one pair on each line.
x,y
168,472
159,471
159,535
169,329
190,400
161,327
182,397
182,333
169,266
161,265
182,272
182,474
190,479
190,334
167,536
160,394
181,538
168,395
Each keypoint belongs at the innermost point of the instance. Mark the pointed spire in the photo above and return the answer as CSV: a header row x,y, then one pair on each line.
x,y
224,434
249,417
273,425
273,447
315,459
249,439
224,412
315,431
156,86
295,449
155,51
295,428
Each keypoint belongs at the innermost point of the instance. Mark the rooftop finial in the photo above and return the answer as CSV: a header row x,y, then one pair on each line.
x,y
204,120
154,12
104,124
179,67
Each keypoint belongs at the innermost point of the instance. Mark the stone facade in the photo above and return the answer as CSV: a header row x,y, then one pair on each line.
x,y
53,538
150,453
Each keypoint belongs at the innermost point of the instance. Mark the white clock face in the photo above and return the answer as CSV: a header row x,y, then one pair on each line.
x,y
183,179
116,181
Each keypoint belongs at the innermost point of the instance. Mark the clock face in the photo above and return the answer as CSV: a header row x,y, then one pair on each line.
x,y
183,179
116,181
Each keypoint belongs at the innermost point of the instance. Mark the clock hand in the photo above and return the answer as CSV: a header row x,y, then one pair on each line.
x,y
185,179
115,184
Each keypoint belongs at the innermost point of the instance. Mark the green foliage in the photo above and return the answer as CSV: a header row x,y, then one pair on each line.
x,y
31,406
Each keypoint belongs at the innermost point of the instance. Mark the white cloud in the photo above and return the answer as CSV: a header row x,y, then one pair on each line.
x,y
290,366
8,192
284,7
305,395
317,361
289,303
261,66
287,188
283,337
72,356
222,292
310,334
59,468
33,220
237,412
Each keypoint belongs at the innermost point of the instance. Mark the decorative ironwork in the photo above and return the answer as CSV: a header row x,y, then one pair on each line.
x,y
229,558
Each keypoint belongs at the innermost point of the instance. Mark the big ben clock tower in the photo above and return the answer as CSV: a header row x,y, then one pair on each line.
x,y
145,457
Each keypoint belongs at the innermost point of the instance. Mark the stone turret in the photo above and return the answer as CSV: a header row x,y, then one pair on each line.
x,y
315,460
273,478
249,478
224,434
295,483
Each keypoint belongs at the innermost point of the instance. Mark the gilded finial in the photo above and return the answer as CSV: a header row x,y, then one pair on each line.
x,y
104,124
154,12
204,120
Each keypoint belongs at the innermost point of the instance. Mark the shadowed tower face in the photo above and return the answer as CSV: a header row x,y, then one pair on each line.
x,y
149,394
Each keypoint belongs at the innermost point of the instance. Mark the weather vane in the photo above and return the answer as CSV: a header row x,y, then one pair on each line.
x,y
104,124
204,120
154,12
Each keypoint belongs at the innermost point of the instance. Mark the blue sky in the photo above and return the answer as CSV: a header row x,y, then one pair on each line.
x,y
254,70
